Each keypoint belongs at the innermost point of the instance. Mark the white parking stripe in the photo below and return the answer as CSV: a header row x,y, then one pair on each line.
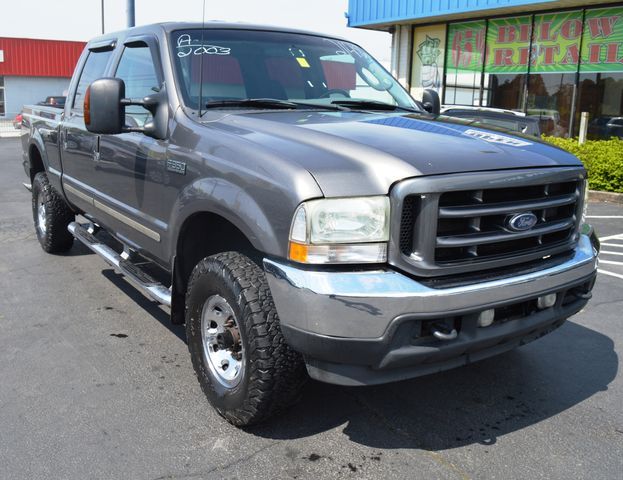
x,y
611,253
610,262
617,245
605,272
618,236
604,216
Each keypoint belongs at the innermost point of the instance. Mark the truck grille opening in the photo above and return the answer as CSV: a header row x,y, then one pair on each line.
x,y
474,224
448,227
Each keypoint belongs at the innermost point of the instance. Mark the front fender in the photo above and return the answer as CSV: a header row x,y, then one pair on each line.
x,y
265,223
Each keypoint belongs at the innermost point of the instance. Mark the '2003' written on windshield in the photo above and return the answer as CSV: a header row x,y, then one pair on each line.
x,y
186,46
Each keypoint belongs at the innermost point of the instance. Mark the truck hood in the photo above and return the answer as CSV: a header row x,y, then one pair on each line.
x,y
358,153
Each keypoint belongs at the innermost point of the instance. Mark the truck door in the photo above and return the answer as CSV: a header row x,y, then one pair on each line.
x,y
79,148
130,164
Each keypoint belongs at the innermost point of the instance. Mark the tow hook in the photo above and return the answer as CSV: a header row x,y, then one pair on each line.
x,y
441,332
583,295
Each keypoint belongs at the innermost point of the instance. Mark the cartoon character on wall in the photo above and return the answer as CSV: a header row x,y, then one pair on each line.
x,y
428,52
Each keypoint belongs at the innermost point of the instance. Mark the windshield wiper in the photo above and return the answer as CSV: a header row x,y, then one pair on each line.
x,y
269,103
372,105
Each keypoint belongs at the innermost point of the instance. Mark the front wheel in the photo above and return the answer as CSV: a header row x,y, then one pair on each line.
x,y
243,364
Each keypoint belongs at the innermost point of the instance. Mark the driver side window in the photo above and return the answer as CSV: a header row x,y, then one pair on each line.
x,y
138,71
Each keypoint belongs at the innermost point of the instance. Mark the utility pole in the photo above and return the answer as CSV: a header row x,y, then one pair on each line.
x,y
103,17
131,14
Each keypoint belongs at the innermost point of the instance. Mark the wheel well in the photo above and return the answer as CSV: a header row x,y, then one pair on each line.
x,y
206,234
36,162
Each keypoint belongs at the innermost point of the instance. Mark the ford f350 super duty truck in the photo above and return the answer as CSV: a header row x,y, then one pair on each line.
x,y
301,213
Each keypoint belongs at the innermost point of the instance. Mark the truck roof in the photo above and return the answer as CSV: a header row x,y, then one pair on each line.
x,y
168,27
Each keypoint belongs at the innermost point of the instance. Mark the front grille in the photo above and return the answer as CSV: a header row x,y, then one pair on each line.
x,y
446,228
473,224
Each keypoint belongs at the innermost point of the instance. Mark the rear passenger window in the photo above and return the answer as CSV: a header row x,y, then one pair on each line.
x,y
94,68
138,72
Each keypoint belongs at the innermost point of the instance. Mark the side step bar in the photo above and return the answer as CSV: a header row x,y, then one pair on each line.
x,y
148,285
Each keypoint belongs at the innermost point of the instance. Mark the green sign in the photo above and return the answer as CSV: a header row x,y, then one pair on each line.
x,y
466,45
602,42
508,44
556,42
553,44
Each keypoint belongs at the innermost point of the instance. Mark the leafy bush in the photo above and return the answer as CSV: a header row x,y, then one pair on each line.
x,y
603,160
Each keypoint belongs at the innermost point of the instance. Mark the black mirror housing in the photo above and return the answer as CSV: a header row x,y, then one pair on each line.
x,y
104,112
104,109
431,101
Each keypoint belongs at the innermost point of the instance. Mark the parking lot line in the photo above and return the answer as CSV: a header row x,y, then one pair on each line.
x,y
618,236
611,253
612,274
617,245
604,216
610,262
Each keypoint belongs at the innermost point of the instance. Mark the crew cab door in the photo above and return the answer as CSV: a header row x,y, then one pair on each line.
x,y
79,148
130,165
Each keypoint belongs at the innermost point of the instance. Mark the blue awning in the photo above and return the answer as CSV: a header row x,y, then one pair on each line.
x,y
367,13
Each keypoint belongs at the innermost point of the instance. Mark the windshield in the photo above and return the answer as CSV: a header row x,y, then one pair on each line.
x,y
228,65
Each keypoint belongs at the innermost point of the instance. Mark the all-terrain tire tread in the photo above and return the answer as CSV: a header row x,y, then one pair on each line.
x,y
276,372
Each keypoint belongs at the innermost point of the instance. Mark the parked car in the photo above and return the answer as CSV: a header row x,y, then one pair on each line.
x,y
606,127
299,222
57,101
506,119
17,121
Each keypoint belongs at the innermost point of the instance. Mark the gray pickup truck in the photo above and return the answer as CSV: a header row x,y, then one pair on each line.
x,y
301,213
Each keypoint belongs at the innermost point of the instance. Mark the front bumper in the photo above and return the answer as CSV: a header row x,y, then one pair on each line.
x,y
366,327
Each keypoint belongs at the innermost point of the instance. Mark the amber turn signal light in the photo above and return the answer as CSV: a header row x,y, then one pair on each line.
x,y
87,107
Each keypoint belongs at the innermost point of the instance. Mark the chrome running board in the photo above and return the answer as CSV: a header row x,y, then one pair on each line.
x,y
141,279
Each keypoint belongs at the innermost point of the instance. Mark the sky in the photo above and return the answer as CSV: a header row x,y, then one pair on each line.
x,y
81,19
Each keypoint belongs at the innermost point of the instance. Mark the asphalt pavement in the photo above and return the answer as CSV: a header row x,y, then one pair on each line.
x,y
95,383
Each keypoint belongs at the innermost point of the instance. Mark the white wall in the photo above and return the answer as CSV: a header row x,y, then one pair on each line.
x,y
401,47
20,91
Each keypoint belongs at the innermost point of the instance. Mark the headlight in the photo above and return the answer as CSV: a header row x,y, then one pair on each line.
x,y
341,230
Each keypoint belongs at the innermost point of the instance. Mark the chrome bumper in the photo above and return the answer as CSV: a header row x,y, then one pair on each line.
x,y
362,305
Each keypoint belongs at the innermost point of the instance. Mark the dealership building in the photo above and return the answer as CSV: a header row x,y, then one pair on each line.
x,y
31,70
552,59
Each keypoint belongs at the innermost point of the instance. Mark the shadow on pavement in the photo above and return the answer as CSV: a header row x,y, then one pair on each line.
x,y
472,404
145,303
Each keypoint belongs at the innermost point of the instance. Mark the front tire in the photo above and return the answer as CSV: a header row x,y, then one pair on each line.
x,y
51,215
243,364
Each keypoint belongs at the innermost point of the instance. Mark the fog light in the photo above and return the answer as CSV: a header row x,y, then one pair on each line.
x,y
546,301
486,318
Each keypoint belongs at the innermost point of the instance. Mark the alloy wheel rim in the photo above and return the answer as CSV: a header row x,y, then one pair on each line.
x,y
220,337
41,217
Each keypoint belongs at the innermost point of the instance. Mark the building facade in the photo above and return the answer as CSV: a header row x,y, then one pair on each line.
x,y
551,59
31,70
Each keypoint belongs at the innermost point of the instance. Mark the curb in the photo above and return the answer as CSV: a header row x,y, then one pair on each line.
x,y
595,196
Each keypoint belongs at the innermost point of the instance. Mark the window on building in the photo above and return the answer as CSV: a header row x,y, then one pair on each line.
x,y
506,62
2,109
138,72
601,95
94,68
464,63
600,88
555,55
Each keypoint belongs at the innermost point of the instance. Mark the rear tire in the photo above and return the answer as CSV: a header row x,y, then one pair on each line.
x,y
248,373
51,215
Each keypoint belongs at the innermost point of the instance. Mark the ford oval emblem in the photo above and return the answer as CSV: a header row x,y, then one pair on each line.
x,y
521,222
